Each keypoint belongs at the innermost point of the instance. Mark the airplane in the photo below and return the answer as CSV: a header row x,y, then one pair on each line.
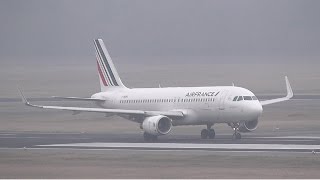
x,y
157,110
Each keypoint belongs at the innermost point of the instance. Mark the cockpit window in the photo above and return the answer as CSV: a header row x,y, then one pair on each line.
x,y
247,98
254,98
235,98
240,98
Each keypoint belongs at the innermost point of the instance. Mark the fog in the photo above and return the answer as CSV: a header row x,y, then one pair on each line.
x,y
249,42
36,28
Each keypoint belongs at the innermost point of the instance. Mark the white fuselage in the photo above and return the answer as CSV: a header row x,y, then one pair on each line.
x,y
201,105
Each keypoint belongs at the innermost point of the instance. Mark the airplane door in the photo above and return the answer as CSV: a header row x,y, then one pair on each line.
x,y
222,105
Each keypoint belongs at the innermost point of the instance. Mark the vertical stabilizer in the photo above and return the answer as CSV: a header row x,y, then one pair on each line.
x,y
108,74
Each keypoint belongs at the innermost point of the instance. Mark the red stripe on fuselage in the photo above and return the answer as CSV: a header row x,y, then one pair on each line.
x,y
101,75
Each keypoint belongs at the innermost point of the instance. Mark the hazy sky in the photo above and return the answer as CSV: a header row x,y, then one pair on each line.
x,y
35,29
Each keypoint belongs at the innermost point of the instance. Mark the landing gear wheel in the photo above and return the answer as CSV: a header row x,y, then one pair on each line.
x,y
236,136
149,137
211,133
204,134
235,127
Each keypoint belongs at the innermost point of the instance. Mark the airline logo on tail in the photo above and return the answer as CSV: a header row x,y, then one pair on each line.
x,y
104,62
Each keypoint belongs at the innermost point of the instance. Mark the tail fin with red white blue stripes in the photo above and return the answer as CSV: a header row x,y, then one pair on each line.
x,y
108,74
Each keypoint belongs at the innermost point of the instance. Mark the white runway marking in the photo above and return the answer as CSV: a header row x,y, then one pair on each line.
x,y
284,140
286,137
188,146
144,150
8,134
31,137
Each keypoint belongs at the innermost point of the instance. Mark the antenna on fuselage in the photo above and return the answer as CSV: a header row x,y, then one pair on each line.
x,y
232,84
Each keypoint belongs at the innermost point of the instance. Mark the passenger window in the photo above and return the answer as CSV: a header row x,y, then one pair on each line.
x,y
247,98
235,98
240,98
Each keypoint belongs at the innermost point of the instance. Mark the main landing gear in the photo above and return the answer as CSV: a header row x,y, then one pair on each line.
x,y
149,137
236,135
208,133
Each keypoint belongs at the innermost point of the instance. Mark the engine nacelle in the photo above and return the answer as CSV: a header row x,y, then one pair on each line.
x,y
157,125
248,126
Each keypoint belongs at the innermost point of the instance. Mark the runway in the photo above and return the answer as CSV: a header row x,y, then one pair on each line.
x,y
178,142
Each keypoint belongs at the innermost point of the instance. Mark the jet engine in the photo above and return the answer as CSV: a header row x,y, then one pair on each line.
x,y
248,126
157,125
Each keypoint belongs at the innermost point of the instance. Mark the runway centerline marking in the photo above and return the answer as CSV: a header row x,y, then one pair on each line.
x,y
285,137
10,137
8,134
188,146
147,150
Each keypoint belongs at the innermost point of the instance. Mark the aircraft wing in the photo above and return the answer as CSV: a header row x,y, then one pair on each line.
x,y
78,98
77,110
289,95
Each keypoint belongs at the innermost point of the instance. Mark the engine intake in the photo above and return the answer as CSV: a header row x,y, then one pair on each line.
x,y
157,125
248,126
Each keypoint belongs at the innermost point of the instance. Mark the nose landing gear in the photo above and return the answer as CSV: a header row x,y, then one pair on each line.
x,y
236,135
208,133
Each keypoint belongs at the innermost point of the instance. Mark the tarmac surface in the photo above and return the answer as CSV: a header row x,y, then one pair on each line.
x,y
182,142
94,155
55,144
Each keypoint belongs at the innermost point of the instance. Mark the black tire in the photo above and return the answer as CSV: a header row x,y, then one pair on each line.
x,y
146,137
149,137
204,134
154,138
236,136
211,134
